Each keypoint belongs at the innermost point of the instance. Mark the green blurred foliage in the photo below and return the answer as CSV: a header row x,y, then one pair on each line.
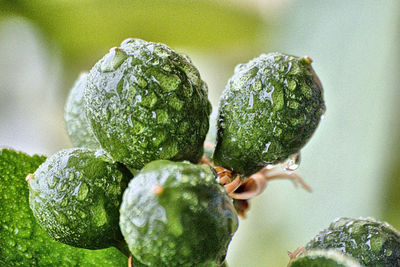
x,y
85,28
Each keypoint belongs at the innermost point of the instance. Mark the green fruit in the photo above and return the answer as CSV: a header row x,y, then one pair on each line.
x,y
269,109
145,102
176,214
75,196
371,242
22,241
324,258
77,125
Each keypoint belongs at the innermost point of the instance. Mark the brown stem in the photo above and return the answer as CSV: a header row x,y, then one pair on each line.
x,y
298,251
232,186
130,264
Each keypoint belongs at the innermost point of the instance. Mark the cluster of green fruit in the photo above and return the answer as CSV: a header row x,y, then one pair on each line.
x,y
351,242
138,120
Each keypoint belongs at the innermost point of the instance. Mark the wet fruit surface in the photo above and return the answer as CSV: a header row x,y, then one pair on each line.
x,y
75,196
269,109
324,258
76,123
176,214
22,241
146,102
371,242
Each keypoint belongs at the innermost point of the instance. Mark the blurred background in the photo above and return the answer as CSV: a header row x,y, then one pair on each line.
x,y
352,162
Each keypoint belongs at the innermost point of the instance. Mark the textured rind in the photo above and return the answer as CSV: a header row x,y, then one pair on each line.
x,y
75,196
190,223
324,258
146,102
22,241
76,123
269,109
371,242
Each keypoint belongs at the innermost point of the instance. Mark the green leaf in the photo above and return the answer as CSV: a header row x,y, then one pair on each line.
x,y
22,241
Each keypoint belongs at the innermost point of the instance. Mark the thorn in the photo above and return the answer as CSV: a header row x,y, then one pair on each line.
x,y
308,59
157,189
29,177
112,49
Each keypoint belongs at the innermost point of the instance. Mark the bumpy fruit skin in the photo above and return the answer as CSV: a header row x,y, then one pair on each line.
x,y
76,123
75,196
269,109
146,102
371,242
22,241
176,214
324,258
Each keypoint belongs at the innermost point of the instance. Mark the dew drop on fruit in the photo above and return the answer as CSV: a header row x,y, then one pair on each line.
x,y
82,191
293,162
113,60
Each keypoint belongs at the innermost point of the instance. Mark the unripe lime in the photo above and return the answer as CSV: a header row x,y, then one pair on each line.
x,y
76,123
147,102
22,241
269,109
371,242
176,214
324,258
75,196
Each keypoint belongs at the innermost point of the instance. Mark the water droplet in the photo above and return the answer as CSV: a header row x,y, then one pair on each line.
x,y
257,85
293,104
251,101
138,127
149,100
175,103
291,85
63,187
82,214
191,72
128,41
60,217
306,91
113,60
99,214
158,139
168,83
11,243
64,201
22,247
53,182
162,116
82,191
169,151
293,162
266,147
277,100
